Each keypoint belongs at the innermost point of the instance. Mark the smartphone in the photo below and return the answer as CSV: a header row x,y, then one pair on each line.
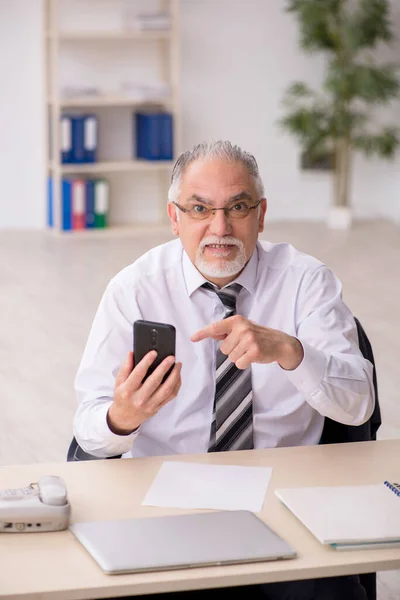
x,y
150,335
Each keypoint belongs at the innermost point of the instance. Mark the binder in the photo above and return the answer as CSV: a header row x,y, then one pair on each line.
x,y
89,205
78,204
166,137
66,139
50,215
66,204
348,517
79,138
154,133
101,202
78,152
89,138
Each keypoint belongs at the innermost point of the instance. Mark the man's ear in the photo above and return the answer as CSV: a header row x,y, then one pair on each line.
x,y
173,215
261,214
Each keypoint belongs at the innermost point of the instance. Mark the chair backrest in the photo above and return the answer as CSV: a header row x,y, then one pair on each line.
x,y
334,433
75,453
337,433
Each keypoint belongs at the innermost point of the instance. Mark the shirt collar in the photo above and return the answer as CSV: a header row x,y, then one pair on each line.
x,y
194,279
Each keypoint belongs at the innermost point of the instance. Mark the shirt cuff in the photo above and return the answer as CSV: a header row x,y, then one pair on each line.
x,y
114,444
310,372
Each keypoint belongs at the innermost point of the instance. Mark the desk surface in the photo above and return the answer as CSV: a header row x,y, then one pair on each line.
x,y
55,565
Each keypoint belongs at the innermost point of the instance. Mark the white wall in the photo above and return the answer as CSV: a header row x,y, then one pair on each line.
x,y
238,56
22,115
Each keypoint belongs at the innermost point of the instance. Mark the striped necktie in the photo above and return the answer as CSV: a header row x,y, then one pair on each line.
x,y
232,423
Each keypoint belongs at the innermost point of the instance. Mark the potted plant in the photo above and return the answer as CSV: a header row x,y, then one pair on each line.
x,y
335,121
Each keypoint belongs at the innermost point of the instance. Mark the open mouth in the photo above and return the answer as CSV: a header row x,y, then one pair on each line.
x,y
220,249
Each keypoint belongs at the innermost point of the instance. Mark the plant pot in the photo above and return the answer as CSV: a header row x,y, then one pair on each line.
x,y
339,217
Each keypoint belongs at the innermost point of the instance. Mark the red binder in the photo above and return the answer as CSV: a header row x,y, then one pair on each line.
x,y
78,204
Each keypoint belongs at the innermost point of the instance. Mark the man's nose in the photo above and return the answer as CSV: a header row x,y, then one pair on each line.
x,y
220,224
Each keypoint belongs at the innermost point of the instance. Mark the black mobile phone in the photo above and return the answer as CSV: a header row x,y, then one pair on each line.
x,y
150,335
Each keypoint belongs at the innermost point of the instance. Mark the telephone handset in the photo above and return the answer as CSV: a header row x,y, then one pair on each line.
x,y
42,506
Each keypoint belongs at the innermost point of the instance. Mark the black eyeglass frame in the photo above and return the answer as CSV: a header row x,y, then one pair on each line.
x,y
227,209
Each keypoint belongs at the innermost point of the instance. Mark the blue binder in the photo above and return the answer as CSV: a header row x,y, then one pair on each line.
x,y
50,215
66,204
166,137
90,138
154,136
79,138
66,139
89,214
78,152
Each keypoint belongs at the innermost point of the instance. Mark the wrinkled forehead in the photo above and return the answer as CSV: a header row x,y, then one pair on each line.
x,y
216,180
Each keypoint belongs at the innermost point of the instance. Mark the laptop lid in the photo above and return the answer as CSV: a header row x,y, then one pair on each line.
x,y
180,541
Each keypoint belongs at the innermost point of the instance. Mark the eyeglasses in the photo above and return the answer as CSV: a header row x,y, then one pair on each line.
x,y
199,212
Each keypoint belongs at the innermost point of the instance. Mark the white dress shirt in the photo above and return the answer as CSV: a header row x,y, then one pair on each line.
x,y
283,289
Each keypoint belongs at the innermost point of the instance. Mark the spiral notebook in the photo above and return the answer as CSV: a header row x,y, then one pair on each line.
x,y
348,517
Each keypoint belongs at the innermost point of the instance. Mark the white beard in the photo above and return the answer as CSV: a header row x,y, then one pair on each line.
x,y
222,267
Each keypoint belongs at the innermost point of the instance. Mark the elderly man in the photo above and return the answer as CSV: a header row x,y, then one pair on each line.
x,y
266,348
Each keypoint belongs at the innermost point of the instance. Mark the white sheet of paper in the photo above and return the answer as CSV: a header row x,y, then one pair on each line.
x,y
220,487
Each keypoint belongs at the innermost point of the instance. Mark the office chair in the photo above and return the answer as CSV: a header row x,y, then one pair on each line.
x,y
333,433
75,453
336,433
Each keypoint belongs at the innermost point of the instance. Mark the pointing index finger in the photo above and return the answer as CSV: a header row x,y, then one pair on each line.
x,y
217,331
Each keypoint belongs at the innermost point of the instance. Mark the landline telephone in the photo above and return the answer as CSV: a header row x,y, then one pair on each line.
x,y
42,506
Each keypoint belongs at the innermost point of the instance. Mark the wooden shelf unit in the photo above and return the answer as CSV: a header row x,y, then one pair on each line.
x,y
93,36
108,100
113,167
54,38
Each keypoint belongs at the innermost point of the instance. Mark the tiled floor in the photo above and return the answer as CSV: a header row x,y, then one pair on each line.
x,y
51,286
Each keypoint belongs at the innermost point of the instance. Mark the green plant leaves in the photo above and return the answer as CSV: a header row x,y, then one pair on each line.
x,y
342,25
315,21
369,83
383,144
344,30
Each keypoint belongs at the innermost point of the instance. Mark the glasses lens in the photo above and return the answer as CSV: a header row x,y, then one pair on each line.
x,y
239,211
199,212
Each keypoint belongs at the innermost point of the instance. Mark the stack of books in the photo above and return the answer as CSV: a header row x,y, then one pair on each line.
x,y
84,203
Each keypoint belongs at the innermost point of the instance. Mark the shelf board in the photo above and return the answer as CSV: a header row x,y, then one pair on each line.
x,y
115,167
94,36
103,100
116,231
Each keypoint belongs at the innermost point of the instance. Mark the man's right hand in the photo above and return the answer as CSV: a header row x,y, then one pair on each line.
x,y
134,401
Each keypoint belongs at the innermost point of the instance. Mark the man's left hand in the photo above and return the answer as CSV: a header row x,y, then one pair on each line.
x,y
246,342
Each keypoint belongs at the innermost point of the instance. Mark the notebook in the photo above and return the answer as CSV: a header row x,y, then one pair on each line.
x,y
180,541
348,517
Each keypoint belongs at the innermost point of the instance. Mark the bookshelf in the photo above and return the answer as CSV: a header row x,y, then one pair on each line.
x,y
104,100
86,36
114,167
74,36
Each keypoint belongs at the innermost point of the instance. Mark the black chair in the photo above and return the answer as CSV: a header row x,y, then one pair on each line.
x,y
75,453
333,433
337,433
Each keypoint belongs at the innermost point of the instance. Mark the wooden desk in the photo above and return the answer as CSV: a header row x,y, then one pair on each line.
x,y
55,565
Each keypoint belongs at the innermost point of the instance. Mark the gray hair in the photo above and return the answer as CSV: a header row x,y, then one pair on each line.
x,y
207,151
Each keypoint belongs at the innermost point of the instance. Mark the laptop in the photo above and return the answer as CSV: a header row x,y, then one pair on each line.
x,y
180,541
